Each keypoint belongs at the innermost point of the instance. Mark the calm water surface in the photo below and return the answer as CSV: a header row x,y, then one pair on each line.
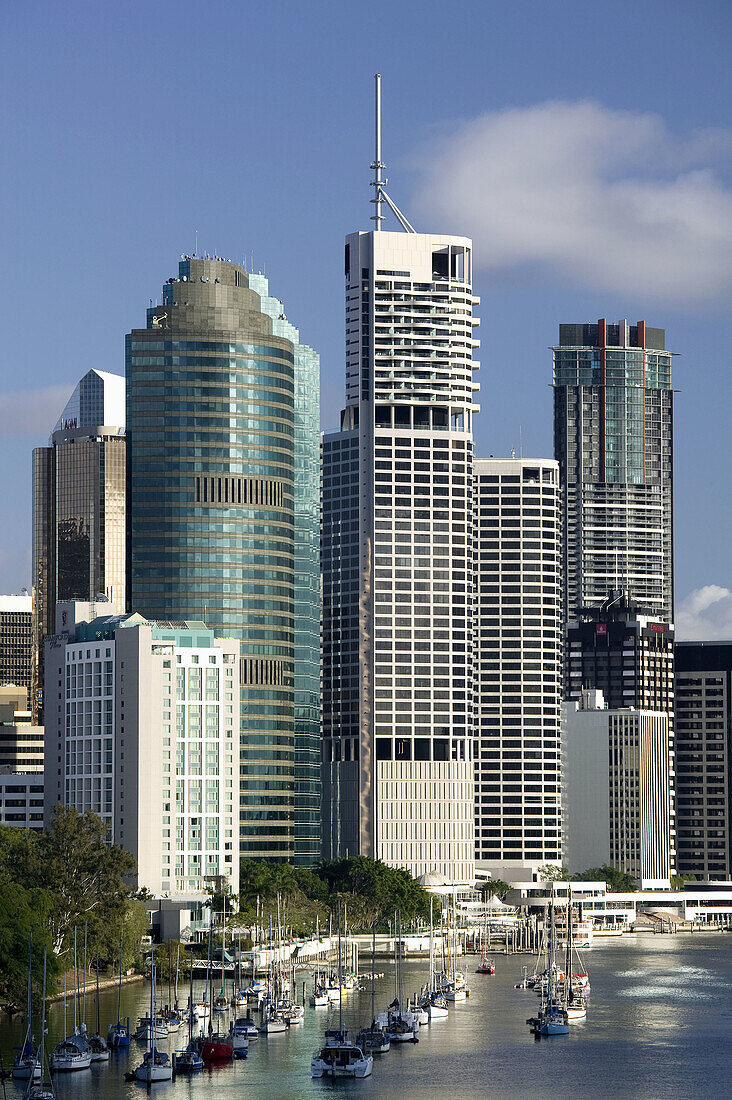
x,y
659,1026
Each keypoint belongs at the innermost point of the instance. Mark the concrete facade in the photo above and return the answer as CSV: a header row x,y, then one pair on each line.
x,y
520,652
144,731
398,561
617,790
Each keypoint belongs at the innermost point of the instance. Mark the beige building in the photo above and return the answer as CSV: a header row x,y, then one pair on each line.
x,y
21,743
79,509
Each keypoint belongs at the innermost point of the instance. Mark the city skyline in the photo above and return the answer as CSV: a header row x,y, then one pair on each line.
x,y
681,126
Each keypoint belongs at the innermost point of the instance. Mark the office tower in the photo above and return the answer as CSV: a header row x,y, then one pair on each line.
x,y
16,641
398,576
625,652
308,599
617,790
520,652
79,508
21,743
613,438
147,738
628,655
704,758
212,424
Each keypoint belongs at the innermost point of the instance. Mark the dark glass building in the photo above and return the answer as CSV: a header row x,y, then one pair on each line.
x,y
308,598
613,439
704,758
211,425
16,641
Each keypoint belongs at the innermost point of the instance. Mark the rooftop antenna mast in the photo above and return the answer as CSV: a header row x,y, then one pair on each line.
x,y
379,184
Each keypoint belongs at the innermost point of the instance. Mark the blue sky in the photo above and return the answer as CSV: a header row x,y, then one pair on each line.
x,y
585,147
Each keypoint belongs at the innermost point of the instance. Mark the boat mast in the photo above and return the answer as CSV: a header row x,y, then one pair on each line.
x,y
119,988
97,991
83,996
76,983
432,951
43,1019
190,1006
30,997
373,971
340,973
152,1006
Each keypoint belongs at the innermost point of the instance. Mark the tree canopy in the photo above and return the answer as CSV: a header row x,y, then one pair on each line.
x,y
372,890
55,880
618,881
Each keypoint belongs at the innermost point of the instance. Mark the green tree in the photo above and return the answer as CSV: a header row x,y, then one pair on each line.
x,y
83,872
677,881
494,887
23,912
619,882
553,871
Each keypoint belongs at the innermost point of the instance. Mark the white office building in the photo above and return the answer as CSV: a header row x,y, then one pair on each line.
x,y
520,648
397,559
617,790
142,728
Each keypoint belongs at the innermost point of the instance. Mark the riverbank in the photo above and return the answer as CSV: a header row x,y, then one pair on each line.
x,y
91,986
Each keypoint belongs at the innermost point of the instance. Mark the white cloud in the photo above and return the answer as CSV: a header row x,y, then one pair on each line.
x,y
705,615
32,412
601,198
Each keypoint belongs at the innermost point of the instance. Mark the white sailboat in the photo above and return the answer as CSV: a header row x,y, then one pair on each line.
x,y
72,1053
156,1064
339,1056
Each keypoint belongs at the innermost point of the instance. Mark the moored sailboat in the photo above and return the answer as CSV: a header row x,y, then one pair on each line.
x,y
156,1064
27,1064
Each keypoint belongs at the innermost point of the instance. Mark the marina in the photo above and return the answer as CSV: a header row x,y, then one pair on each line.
x,y
631,1043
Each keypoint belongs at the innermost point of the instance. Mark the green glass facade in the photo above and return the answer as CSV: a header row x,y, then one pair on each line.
x,y
211,418
613,438
308,600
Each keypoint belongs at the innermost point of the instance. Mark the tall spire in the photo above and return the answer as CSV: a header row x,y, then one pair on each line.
x,y
377,182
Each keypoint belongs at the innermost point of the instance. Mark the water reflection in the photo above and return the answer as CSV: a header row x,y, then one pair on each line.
x,y
658,1025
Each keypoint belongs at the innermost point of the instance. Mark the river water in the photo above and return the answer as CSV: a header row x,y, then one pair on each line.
x,y
659,1027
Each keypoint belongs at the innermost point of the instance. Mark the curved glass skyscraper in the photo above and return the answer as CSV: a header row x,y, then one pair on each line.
x,y
211,423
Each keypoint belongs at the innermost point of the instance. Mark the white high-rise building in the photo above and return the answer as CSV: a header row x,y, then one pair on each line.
x,y
520,650
617,790
142,728
398,569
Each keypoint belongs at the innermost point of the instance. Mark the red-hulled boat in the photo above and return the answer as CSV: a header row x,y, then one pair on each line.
x,y
215,1048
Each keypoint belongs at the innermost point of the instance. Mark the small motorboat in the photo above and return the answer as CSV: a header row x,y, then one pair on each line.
x,y
373,1040
187,1061
118,1035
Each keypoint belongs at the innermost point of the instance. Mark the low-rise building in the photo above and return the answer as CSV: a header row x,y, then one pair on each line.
x,y
21,799
21,743
16,640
